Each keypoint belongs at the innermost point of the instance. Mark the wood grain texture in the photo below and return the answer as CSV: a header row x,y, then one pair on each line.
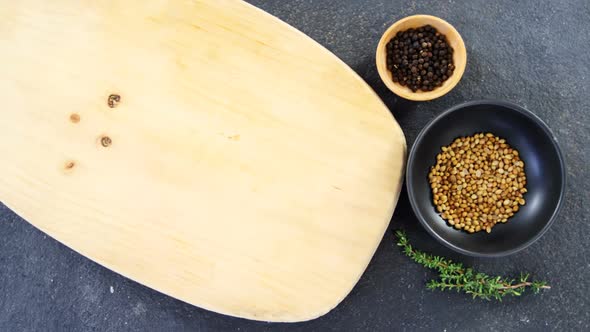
x,y
245,169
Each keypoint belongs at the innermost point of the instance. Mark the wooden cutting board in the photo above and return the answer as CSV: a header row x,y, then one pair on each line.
x,y
202,148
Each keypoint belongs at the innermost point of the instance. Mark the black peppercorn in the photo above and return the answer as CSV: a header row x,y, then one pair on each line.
x,y
420,58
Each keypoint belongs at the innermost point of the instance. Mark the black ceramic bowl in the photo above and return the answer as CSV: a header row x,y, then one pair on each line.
x,y
544,168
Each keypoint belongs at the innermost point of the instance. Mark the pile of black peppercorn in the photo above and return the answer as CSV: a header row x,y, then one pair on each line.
x,y
420,58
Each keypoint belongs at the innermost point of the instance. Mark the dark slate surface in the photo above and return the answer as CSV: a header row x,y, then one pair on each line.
x,y
535,53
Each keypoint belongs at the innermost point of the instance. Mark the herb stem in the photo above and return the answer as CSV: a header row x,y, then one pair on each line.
x,y
524,284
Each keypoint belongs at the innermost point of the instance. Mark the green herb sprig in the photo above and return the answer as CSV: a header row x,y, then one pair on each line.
x,y
453,276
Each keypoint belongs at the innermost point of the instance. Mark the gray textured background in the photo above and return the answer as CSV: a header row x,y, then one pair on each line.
x,y
534,53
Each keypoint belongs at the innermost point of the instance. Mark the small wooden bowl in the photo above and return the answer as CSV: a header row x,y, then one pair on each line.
x,y
455,41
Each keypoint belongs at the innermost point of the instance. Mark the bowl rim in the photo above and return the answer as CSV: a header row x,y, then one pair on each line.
x,y
496,102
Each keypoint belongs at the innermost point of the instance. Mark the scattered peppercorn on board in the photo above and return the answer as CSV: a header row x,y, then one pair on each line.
x,y
203,148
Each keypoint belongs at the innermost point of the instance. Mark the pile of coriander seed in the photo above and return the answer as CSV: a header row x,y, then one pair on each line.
x,y
478,182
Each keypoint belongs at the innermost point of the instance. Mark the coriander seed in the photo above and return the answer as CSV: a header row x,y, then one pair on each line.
x,y
478,182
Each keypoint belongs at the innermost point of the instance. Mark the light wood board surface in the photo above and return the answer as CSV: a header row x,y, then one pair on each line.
x,y
245,169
